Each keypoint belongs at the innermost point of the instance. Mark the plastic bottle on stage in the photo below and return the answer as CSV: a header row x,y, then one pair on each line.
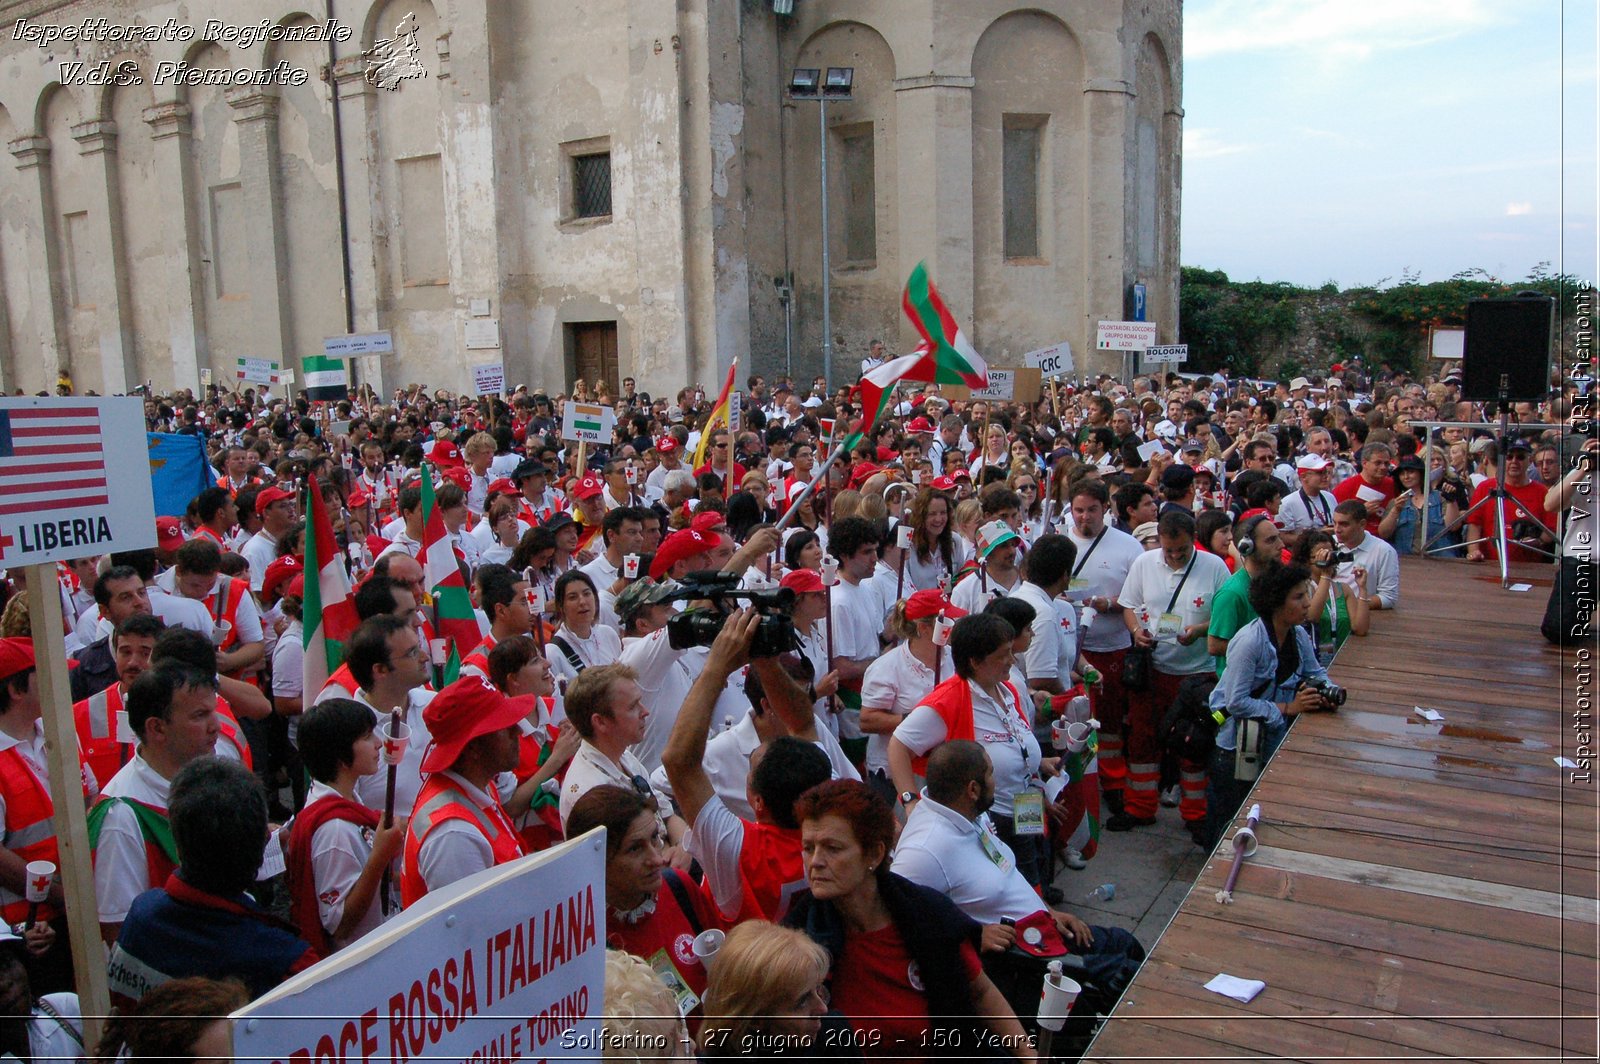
x,y
1104,892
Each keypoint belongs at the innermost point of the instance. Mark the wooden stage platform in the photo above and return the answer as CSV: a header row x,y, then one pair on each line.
x,y
1421,891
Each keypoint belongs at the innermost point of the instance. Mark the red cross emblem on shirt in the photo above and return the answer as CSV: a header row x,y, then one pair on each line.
x,y
1066,624
1199,601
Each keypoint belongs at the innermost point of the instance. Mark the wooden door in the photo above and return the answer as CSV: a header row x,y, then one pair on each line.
x,y
594,349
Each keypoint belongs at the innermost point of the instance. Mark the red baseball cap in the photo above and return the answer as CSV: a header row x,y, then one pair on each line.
x,y
297,586
887,454
16,655
920,424
279,571
860,474
962,473
945,483
269,496
682,545
801,581
588,487
503,486
666,444
357,498
169,533
468,708
443,453
458,476
930,603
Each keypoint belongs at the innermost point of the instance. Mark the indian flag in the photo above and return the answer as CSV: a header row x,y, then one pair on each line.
x,y
328,615
586,418
719,415
453,618
943,357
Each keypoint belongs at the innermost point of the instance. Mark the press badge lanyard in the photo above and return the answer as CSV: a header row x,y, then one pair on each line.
x,y
1311,511
1168,618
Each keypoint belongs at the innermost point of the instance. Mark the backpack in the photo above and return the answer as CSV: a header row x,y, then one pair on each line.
x,y
1189,727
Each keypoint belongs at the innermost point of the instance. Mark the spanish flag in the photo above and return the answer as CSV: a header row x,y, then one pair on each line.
x,y
719,415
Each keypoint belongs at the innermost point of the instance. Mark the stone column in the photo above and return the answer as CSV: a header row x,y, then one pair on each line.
x,y
1109,234
170,132
933,124
107,287
358,147
49,308
255,112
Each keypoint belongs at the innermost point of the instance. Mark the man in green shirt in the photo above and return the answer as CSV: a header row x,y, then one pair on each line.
x,y
1260,545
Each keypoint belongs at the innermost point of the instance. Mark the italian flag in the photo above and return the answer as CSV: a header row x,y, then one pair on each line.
x,y
328,615
453,619
719,414
942,357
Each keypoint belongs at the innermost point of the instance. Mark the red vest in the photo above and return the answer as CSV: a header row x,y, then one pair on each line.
x,y
205,533
344,681
952,700
541,824
227,608
479,658
30,833
442,799
228,724
227,485
96,720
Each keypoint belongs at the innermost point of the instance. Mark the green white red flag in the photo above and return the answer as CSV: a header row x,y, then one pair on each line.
x,y
328,615
943,357
453,619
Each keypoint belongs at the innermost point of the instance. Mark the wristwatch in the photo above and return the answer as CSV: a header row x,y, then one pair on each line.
x,y
907,797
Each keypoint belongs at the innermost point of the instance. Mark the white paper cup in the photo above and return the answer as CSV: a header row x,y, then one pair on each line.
x,y
219,633
916,476
536,602
394,745
1244,841
1077,736
707,943
40,876
631,475
1056,1000
903,537
941,630
1058,733
439,650
830,570
630,566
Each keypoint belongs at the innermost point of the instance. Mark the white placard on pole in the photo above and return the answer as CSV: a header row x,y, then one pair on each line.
x,y
257,371
489,378
77,479
352,344
1166,353
588,423
1002,385
1050,361
1448,343
735,412
507,964
1125,335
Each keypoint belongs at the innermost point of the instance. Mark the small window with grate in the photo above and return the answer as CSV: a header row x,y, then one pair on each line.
x,y
591,185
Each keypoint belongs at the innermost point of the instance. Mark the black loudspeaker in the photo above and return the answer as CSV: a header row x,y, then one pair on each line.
x,y
1507,354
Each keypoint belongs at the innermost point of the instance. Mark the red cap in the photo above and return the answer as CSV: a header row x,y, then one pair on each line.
x,y
297,586
945,483
666,444
861,472
169,533
376,544
357,498
962,473
709,521
503,486
887,454
444,454
458,476
279,571
801,581
1038,936
468,708
15,656
269,496
920,424
930,603
682,545
588,487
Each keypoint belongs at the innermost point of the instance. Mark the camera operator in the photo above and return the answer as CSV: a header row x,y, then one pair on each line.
x,y
1367,551
1271,676
1568,617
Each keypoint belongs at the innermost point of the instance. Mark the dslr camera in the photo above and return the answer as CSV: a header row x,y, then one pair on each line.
x,y
1333,696
775,632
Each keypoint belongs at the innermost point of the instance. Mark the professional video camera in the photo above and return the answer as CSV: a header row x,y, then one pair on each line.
x,y
1336,558
1333,696
775,633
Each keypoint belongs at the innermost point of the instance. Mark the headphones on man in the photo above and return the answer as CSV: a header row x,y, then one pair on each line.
x,y
1245,541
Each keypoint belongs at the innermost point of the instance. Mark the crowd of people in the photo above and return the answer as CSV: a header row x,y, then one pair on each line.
x,y
992,621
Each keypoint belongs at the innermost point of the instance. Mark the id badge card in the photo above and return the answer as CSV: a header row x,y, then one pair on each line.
x,y
681,994
125,732
992,850
1027,813
1078,583
1169,626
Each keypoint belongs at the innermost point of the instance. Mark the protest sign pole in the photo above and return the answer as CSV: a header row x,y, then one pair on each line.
x,y
66,795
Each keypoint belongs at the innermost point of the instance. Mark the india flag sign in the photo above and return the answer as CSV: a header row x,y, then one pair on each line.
x,y
587,423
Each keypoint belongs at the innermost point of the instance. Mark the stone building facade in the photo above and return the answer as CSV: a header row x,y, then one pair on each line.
x,y
621,185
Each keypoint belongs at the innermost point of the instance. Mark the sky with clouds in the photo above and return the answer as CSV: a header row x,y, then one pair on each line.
x,y
1354,140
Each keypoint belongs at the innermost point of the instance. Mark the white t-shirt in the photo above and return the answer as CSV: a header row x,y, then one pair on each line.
x,y
1150,587
727,763
1303,510
259,550
856,620
1103,573
1054,650
971,595
965,861
603,647
408,779
121,872
896,683
339,854
1010,743
665,678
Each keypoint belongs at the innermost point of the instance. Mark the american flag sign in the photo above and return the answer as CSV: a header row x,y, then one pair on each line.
x,y
74,478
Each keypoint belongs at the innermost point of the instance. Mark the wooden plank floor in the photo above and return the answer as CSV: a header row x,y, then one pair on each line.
x,y
1422,891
